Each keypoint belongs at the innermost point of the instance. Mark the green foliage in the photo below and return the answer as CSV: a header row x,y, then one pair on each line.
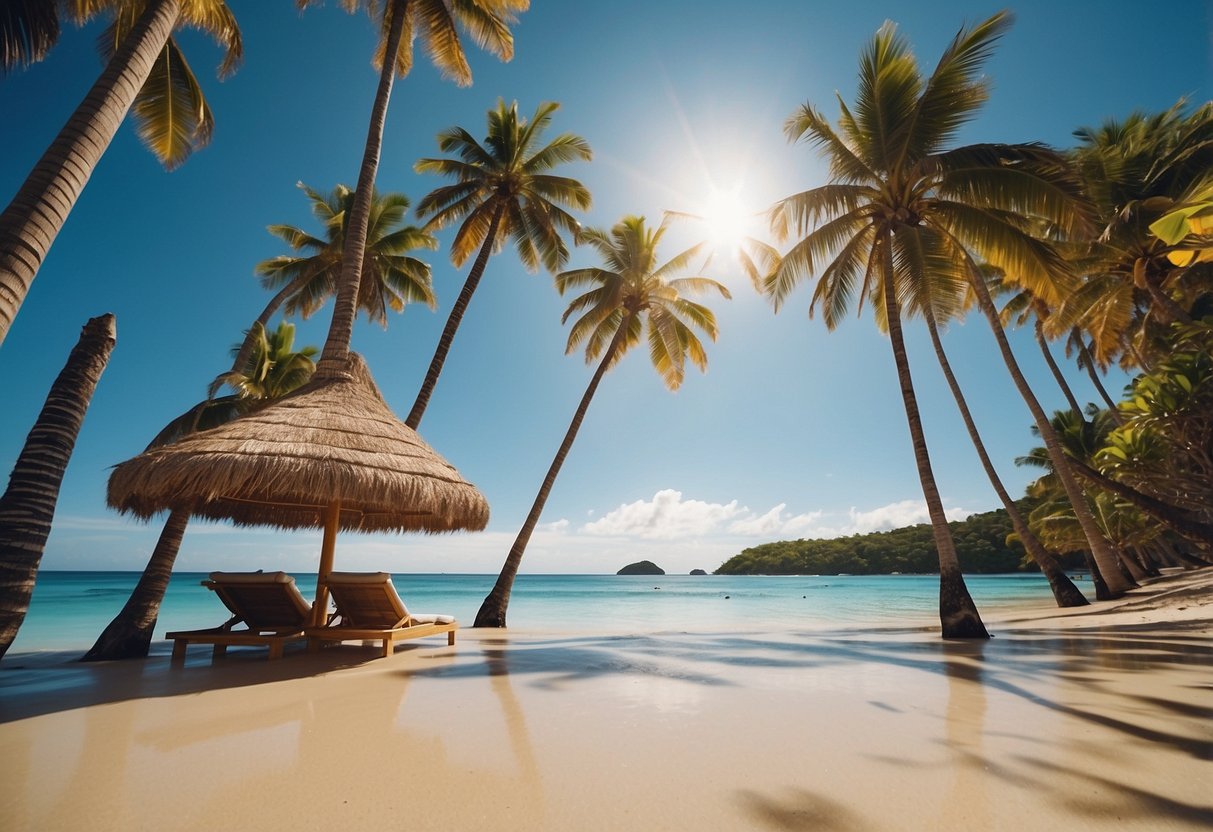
x,y
982,542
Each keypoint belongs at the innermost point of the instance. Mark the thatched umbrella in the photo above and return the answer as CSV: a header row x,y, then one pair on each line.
x,y
331,455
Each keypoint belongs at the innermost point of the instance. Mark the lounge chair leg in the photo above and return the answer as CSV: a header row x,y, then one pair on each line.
x,y
314,645
387,648
219,652
276,650
450,639
179,649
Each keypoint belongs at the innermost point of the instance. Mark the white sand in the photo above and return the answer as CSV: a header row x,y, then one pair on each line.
x,y
1100,718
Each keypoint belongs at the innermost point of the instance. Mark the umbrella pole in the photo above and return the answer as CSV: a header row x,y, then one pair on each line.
x,y
332,516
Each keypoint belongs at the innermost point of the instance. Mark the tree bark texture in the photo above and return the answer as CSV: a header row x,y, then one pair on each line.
x,y
492,610
28,505
129,635
38,212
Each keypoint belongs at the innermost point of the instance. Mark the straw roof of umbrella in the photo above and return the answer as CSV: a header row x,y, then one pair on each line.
x,y
334,439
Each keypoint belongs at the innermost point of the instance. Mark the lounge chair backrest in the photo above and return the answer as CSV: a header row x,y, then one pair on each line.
x,y
367,599
263,600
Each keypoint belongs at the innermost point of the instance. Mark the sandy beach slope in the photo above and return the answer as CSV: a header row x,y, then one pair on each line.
x,y
1094,719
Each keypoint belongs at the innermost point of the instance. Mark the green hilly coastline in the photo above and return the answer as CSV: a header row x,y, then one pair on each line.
x,y
981,544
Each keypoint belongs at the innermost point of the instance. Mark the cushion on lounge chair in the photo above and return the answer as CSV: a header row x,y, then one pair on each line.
x,y
369,608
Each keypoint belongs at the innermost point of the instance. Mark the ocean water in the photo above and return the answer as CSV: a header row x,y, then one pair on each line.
x,y
69,609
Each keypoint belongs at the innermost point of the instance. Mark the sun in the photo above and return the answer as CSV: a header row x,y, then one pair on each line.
x,y
727,219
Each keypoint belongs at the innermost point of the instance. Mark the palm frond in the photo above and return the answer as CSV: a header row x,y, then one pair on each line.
x,y
564,148
28,31
171,115
955,90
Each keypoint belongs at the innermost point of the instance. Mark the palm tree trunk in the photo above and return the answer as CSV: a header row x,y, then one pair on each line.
x,y
336,348
1064,591
1101,588
492,610
1101,550
28,505
453,321
34,218
1061,380
129,635
958,614
1088,363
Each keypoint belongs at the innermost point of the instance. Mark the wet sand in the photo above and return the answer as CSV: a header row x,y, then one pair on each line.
x,y
1091,719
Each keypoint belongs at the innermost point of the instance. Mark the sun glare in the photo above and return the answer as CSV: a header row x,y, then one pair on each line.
x,y
727,219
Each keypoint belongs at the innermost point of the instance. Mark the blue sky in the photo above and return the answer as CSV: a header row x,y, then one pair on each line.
x,y
793,432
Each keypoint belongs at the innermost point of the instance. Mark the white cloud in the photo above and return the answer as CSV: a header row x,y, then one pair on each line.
x,y
555,527
665,517
668,517
774,523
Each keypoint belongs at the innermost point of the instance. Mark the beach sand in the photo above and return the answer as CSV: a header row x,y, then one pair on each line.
x,y
1100,718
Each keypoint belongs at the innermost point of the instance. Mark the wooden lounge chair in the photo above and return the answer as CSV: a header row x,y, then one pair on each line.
x,y
267,603
369,609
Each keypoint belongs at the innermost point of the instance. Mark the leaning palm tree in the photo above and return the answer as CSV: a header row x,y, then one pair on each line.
x,y
145,68
1064,591
901,217
630,295
504,191
27,506
437,24
304,282
273,369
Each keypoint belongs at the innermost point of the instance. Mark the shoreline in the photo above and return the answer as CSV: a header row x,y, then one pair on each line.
x,y
1066,719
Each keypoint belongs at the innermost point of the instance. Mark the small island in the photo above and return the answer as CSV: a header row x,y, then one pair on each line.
x,y
698,572
643,567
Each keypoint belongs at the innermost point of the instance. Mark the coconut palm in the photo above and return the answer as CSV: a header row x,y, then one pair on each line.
x,y
391,277
1136,170
28,504
503,191
273,369
906,217
437,24
146,69
627,297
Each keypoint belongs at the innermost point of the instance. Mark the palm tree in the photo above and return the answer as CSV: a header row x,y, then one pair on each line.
x,y
628,296
272,370
28,504
437,24
1064,591
503,191
145,69
1136,169
304,282
903,214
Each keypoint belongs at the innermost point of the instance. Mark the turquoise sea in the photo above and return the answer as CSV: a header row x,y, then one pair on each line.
x,y
69,609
